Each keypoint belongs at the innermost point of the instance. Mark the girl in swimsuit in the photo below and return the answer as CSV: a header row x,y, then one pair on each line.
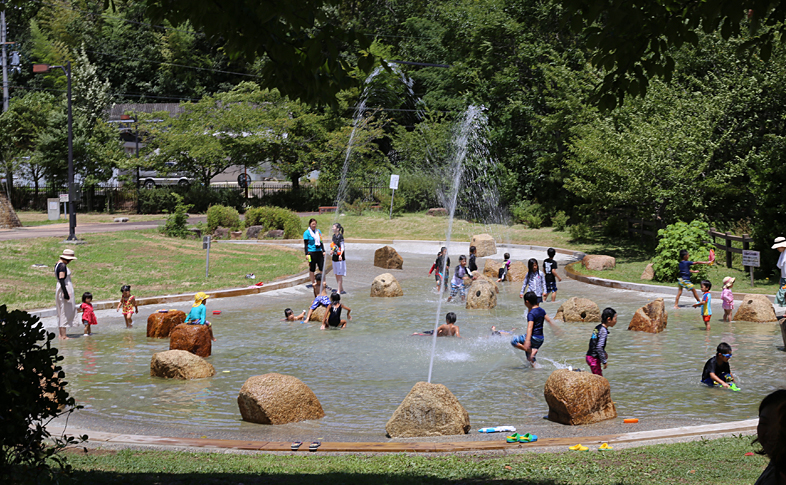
x,y
332,316
128,305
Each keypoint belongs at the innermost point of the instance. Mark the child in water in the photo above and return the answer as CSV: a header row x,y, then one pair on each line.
x,y
596,354
88,315
503,271
717,371
457,284
322,299
289,315
705,303
447,329
531,341
128,305
332,316
198,313
727,297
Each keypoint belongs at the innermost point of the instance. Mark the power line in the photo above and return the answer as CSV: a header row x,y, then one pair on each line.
x,y
112,94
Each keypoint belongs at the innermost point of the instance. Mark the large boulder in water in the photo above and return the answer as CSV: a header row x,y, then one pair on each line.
x,y
577,309
756,308
180,364
160,325
651,318
491,268
517,271
277,399
484,244
386,285
428,410
318,314
599,262
578,397
481,294
193,338
388,258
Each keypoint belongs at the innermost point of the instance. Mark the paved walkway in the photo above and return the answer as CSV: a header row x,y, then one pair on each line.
x,y
61,229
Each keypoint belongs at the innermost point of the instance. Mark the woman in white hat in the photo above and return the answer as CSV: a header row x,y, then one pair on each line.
x,y
65,300
780,245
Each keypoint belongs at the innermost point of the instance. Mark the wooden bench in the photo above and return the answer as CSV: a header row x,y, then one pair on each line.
x,y
327,208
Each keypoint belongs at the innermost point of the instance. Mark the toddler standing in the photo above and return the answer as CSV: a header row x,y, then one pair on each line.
x,y
727,297
705,303
88,315
128,305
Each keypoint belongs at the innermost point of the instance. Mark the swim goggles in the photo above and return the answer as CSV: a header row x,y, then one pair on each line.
x,y
728,356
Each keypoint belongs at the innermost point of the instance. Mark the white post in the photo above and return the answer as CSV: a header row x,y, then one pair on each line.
x,y
206,245
391,203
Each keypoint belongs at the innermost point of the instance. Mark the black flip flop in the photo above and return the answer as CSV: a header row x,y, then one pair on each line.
x,y
296,445
314,445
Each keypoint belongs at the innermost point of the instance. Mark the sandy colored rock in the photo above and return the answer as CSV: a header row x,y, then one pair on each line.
x,y
8,217
277,399
517,271
484,278
438,212
648,273
386,285
578,397
388,258
428,410
484,244
755,308
491,268
220,233
482,295
577,309
160,325
651,318
318,314
180,364
254,232
193,338
598,262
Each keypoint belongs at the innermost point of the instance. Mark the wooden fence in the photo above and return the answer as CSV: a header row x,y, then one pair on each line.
x,y
643,228
728,238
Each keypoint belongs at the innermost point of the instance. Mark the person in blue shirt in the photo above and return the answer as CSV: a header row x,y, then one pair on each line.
x,y
198,313
314,248
705,303
683,276
533,339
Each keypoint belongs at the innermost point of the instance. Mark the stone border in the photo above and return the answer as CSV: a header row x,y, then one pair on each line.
x,y
689,433
625,285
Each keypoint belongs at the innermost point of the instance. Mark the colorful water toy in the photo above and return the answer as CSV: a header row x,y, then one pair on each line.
x,y
163,311
498,429
630,420
712,256
216,312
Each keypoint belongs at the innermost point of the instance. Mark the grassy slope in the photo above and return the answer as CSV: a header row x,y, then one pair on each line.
x,y
150,263
720,461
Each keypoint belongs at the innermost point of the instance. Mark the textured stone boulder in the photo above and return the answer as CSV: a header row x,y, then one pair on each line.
x,y
8,217
277,399
517,271
193,338
648,273
484,244
275,234
598,262
756,308
428,410
481,295
483,278
438,212
253,232
577,309
491,269
651,318
578,397
387,258
318,314
220,233
236,234
180,364
386,285
160,325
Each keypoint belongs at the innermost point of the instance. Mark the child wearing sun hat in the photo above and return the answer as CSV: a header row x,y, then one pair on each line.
x,y
727,297
197,315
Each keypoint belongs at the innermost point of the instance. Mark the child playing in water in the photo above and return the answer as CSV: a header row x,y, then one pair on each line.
x,y
705,303
596,354
289,315
717,371
503,271
332,316
441,267
197,315
447,329
531,341
683,276
457,285
535,281
551,276
495,332
322,299
88,315
128,305
727,297
473,266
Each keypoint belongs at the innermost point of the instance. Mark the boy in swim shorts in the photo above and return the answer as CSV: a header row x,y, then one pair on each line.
x,y
533,339
683,276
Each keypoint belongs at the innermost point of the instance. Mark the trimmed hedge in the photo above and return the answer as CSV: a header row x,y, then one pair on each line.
x,y
163,200
219,215
275,218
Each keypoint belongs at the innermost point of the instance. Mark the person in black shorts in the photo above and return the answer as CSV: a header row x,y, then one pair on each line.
x,y
550,270
473,265
315,250
332,316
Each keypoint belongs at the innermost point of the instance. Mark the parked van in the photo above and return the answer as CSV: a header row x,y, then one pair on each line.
x,y
150,179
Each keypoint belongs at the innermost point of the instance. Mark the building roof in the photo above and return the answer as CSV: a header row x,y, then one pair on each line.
x,y
117,110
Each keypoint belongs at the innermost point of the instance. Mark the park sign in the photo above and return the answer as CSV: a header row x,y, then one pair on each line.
x,y
394,182
750,258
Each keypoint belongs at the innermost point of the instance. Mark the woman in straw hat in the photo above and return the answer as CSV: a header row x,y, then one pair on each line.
x,y
780,245
65,300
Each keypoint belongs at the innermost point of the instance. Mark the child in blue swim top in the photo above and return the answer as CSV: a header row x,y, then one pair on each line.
x,y
531,341
197,315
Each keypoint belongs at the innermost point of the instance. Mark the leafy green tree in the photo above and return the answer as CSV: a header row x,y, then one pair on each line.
x,y
20,127
672,240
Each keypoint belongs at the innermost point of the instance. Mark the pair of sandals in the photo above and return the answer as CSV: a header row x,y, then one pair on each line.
x,y
312,447
522,438
580,447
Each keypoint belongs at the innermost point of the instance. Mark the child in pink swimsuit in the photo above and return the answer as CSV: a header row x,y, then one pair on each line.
x,y
88,315
727,297
128,305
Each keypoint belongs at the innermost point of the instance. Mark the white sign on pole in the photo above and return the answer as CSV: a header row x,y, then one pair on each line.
x,y
750,258
63,197
394,182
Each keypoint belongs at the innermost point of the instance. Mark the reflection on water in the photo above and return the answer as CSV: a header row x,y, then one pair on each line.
x,y
362,373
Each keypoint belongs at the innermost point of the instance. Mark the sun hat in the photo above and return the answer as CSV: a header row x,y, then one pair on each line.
x,y
68,254
780,242
728,281
199,298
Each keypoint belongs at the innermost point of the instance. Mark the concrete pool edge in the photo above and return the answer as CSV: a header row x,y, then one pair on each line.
x,y
632,439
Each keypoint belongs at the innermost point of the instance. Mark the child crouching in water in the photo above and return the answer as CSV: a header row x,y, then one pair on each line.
x,y
717,371
596,354
197,315
88,315
289,315
332,316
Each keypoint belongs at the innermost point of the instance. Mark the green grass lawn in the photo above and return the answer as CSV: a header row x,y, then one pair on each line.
x,y
151,263
721,462
37,218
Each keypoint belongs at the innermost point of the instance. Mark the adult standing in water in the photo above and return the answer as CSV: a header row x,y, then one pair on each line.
x,y
338,253
65,300
315,250
780,245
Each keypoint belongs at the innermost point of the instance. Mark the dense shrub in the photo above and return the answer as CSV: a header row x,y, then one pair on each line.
x,y
580,232
158,201
559,221
418,192
163,200
275,218
526,212
176,224
302,200
219,215
674,238
399,202
615,226
33,392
